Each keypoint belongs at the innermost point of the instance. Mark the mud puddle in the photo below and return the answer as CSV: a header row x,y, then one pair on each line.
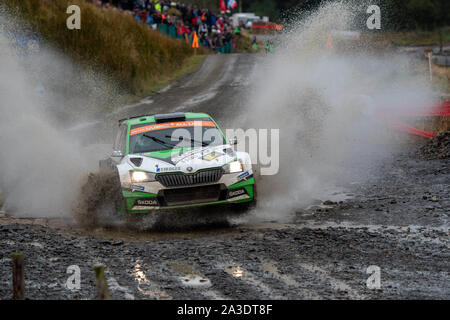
x,y
52,223
69,226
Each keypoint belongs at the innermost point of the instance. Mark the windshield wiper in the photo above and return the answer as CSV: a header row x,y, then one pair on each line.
x,y
161,142
204,144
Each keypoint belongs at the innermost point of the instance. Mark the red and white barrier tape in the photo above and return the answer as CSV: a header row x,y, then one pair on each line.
x,y
441,109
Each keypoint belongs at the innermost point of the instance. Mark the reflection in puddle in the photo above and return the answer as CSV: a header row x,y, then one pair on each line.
x,y
246,276
191,278
235,271
195,281
238,272
140,275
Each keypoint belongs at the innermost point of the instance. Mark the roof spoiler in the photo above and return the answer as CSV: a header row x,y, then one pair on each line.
x,y
169,117
160,118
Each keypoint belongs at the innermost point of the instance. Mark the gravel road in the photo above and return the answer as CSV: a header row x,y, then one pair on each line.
x,y
396,219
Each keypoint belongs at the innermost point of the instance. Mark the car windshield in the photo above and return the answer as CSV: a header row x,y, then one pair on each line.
x,y
174,135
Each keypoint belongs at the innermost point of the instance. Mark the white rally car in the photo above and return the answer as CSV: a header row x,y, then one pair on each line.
x,y
178,160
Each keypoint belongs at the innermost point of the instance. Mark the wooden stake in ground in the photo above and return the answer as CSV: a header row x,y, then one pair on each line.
x,y
101,283
18,276
195,43
430,58
428,53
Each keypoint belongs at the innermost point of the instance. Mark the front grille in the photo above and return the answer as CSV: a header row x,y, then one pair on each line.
x,y
182,179
191,195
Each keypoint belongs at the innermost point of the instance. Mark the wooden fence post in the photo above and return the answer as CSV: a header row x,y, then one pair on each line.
x,y
101,283
18,276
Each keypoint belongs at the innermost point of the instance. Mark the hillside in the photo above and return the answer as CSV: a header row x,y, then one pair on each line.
x,y
139,58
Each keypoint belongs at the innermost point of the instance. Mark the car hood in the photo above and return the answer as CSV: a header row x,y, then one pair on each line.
x,y
187,161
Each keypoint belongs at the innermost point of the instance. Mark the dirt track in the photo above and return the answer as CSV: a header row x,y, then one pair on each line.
x,y
396,218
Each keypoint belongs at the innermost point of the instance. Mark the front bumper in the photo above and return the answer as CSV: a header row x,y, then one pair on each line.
x,y
183,197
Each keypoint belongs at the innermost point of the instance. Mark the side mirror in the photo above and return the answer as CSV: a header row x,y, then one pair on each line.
x,y
233,141
117,153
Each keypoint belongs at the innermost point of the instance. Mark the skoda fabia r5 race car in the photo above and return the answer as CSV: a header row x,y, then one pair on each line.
x,y
178,160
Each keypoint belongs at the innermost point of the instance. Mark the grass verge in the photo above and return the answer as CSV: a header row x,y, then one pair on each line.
x,y
409,38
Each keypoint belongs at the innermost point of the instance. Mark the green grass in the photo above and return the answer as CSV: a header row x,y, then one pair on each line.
x,y
140,59
423,38
243,44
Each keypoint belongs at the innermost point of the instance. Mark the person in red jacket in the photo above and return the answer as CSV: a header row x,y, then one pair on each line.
x,y
143,15
180,28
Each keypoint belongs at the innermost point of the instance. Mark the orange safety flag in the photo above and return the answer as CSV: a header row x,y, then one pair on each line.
x,y
195,41
329,44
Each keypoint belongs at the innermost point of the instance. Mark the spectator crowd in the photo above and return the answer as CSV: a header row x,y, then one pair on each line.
x,y
180,20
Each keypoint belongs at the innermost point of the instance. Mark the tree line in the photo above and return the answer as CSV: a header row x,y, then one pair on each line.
x,y
396,15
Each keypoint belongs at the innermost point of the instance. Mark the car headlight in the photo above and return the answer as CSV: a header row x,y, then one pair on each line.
x,y
233,167
141,176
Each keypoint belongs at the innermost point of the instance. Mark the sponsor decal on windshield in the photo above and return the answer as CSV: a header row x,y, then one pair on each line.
x,y
197,153
172,125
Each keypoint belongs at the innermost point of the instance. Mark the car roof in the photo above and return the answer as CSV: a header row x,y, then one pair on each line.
x,y
151,118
